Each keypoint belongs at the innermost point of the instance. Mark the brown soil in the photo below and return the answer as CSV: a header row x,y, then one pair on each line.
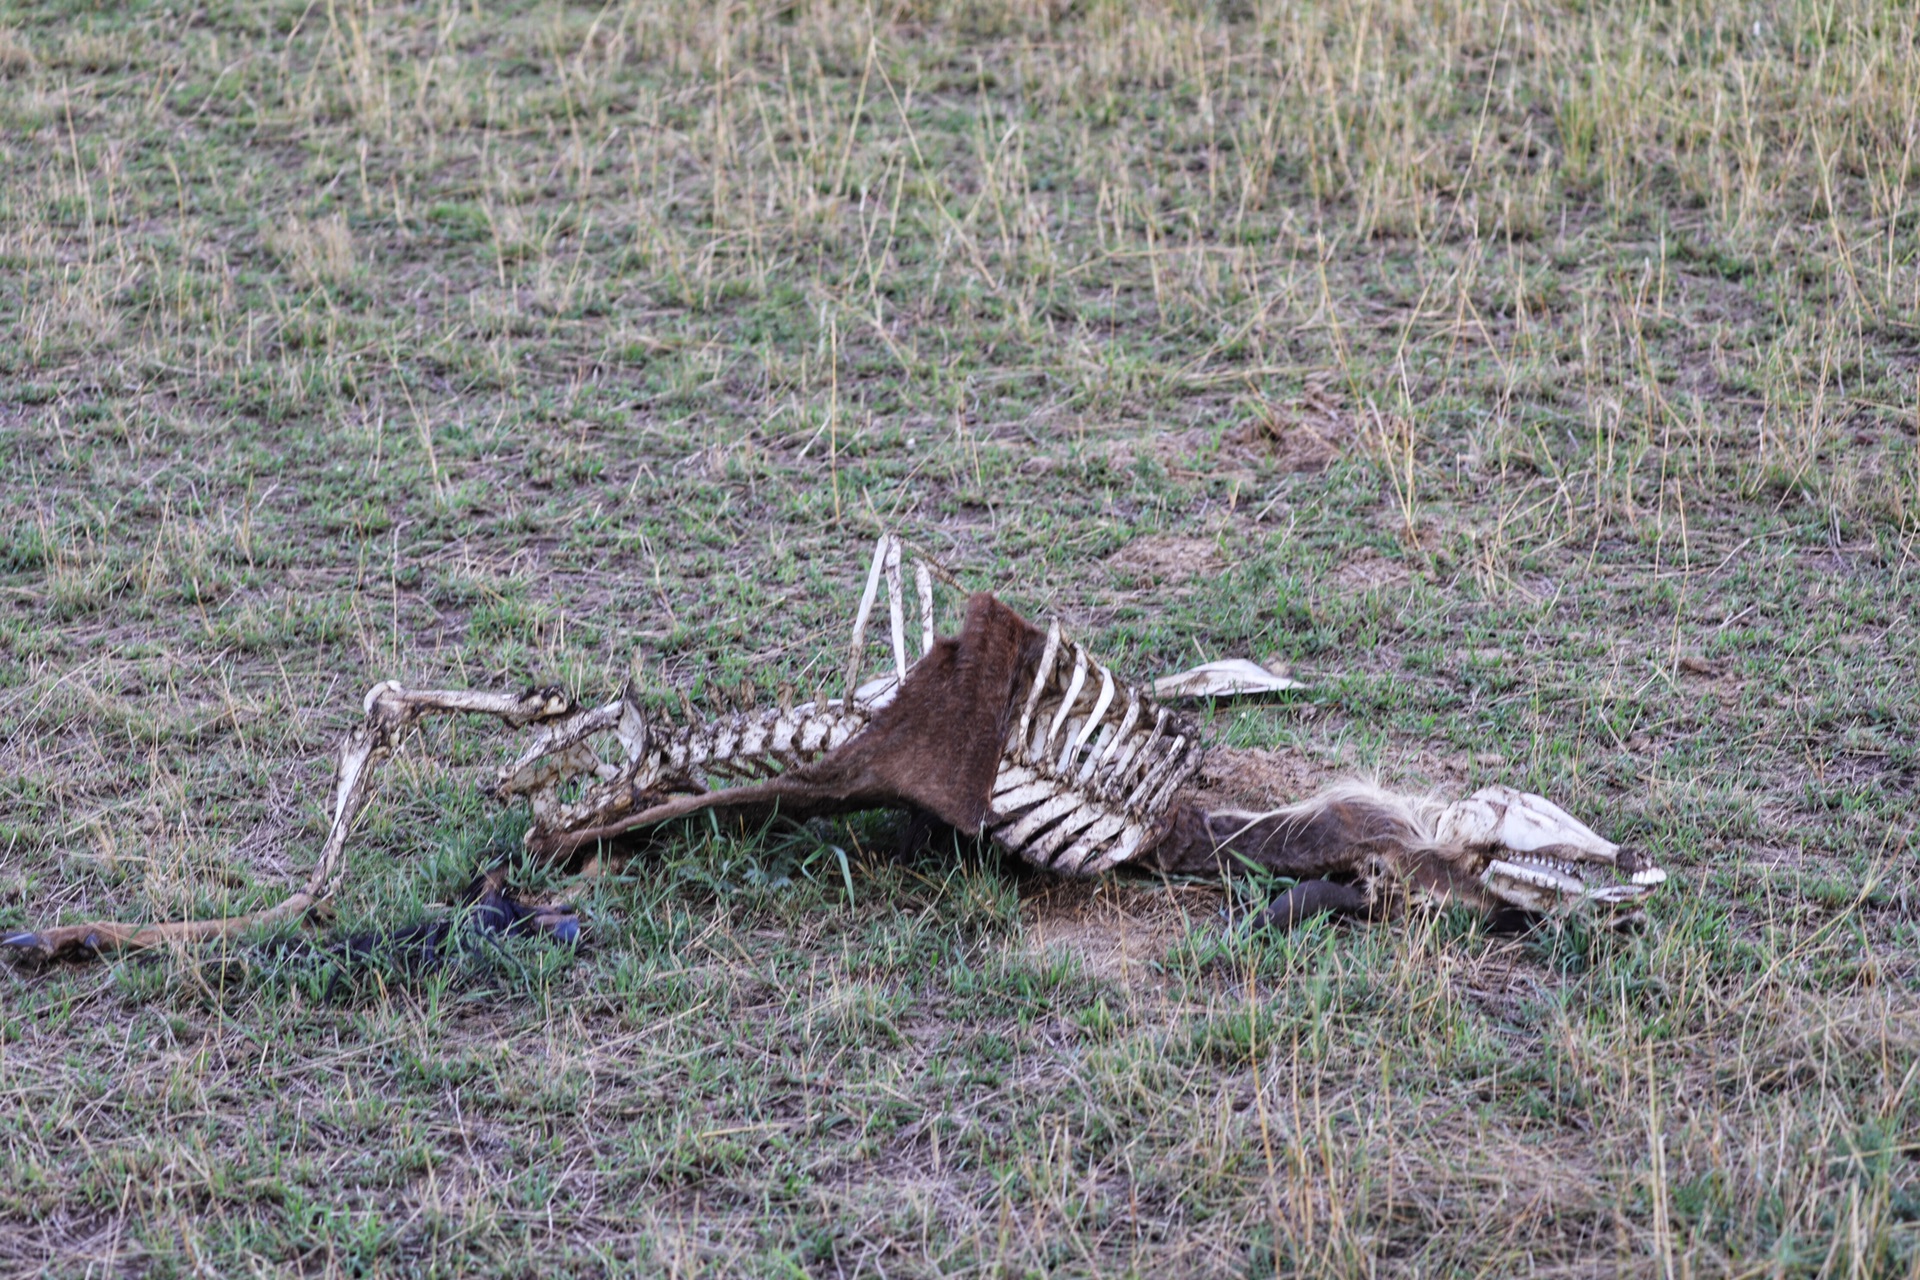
x,y
1306,435
1167,559
1233,777
1369,571
1116,928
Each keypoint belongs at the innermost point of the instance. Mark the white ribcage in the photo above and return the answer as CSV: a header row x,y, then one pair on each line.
x,y
664,757
1084,778
1088,768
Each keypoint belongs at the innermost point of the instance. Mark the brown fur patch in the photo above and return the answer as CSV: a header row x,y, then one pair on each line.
x,y
935,747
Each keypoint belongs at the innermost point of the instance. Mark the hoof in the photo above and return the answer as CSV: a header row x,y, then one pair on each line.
x,y
558,921
26,946
494,909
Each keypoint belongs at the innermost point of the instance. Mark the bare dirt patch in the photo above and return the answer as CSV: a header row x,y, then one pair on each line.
x,y
1253,778
1371,571
1117,929
1302,435
1168,560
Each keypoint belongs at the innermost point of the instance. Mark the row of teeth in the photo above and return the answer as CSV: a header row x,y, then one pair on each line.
x,y
1562,877
1560,866
1541,874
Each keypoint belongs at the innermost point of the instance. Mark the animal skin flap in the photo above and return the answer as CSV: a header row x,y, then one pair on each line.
x,y
937,744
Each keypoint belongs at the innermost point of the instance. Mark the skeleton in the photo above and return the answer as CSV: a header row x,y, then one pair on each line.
x,y
1003,731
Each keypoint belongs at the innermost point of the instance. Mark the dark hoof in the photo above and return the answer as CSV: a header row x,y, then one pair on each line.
x,y
502,913
30,947
559,921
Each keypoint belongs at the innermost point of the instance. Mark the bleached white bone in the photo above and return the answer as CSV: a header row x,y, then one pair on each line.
x,y
1075,860
1143,757
1051,841
1521,892
1225,678
1127,722
632,726
923,584
1100,705
865,612
1500,817
1042,677
1012,776
1184,759
1154,788
1542,877
1116,780
877,692
896,619
1624,892
1021,832
1016,798
1084,775
1074,683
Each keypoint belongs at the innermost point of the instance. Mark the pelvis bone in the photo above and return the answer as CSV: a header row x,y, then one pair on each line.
x,y
1002,730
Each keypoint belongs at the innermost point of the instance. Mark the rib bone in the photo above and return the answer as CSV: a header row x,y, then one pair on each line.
x,y
1056,812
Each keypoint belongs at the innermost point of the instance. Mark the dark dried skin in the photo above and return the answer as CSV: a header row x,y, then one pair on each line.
x,y
1312,898
489,907
1336,839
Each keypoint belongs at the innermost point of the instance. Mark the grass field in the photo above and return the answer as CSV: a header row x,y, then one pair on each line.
x,y
1537,379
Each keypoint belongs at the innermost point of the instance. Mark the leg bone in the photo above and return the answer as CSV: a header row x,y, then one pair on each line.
x,y
390,711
